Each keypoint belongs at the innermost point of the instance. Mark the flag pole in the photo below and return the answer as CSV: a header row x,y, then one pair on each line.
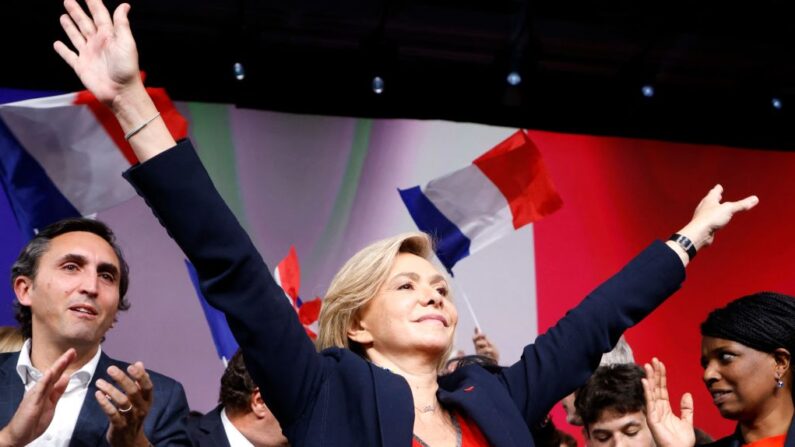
x,y
469,305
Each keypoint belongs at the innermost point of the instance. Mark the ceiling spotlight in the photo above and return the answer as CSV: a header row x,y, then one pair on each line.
x,y
240,72
514,78
647,90
378,85
776,103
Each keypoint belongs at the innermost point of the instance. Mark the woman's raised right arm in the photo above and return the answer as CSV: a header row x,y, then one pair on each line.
x,y
233,277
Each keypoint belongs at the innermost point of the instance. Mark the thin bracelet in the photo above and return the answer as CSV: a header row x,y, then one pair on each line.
x,y
132,133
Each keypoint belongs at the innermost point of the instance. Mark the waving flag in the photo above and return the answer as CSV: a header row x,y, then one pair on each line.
x,y
288,276
61,156
502,190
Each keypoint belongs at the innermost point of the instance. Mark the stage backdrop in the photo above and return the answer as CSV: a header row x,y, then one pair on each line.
x,y
328,185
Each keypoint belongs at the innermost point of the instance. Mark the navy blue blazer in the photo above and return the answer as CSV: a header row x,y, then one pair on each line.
x,y
164,425
336,398
209,430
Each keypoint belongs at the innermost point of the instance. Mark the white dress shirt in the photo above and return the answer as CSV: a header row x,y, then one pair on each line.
x,y
59,433
236,439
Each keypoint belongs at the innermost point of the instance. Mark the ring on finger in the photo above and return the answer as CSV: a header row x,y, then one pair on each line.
x,y
124,410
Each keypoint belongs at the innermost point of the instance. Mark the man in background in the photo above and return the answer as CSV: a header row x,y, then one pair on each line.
x,y
241,419
70,282
620,354
612,407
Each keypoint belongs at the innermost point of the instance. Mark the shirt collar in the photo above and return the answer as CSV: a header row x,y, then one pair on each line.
x,y
82,377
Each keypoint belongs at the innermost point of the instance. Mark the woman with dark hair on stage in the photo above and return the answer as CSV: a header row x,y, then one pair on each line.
x,y
388,319
746,352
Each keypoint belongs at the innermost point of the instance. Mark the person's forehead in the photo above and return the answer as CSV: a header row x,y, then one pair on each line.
x,y
82,243
409,263
611,420
714,344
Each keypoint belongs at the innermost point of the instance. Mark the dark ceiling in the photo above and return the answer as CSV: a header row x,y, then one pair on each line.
x,y
714,67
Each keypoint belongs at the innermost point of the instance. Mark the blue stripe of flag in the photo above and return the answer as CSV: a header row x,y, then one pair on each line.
x,y
35,199
225,343
13,94
11,242
451,244
11,237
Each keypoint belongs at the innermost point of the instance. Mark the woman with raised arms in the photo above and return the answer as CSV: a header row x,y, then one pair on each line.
x,y
388,320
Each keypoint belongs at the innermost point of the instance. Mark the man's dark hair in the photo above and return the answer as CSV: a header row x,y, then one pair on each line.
x,y
616,388
27,262
236,386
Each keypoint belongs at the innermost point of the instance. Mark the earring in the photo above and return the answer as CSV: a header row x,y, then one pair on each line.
x,y
779,382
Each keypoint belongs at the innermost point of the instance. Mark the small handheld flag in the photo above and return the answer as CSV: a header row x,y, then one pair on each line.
x,y
288,276
502,190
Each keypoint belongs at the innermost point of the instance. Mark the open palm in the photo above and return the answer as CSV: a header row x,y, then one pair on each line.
x,y
668,429
105,57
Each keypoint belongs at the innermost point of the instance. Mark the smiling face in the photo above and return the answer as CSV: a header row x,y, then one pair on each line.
x,y
75,294
411,312
740,379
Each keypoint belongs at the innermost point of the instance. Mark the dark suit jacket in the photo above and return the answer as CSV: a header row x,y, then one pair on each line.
x,y
336,398
209,431
164,425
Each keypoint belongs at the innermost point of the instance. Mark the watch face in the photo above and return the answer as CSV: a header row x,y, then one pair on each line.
x,y
684,242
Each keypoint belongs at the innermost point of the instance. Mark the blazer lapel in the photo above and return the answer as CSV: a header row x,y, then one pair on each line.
x,y
11,388
394,407
212,426
92,423
481,397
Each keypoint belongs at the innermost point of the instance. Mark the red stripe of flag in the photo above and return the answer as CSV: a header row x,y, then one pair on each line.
x,y
290,275
517,170
176,123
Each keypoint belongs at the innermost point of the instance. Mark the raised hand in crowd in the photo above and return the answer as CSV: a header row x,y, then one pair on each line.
x,y
484,346
105,59
710,216
667,429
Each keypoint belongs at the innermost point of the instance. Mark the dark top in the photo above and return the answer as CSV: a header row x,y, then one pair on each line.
x,y
336,398
209,430
163,426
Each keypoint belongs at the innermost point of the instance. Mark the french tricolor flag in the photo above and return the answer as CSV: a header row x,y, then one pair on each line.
x,y
62,156
502,190
288,277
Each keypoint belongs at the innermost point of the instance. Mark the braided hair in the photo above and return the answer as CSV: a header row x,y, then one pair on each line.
x,y
764,321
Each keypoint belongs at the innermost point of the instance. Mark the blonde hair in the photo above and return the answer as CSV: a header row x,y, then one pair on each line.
x,y
11,339
358,282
